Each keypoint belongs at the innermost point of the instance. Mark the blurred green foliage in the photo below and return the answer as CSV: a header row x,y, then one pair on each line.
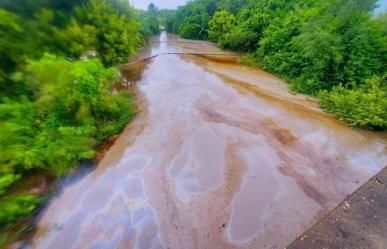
x,y
191,20
220,25
330,45
116,27
71,107
150,20
14,207
57,103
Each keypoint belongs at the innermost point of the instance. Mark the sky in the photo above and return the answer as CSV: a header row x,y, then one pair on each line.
x,y
172,4
382,6
162,4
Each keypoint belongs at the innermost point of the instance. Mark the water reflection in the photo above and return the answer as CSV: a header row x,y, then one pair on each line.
x,y
225,158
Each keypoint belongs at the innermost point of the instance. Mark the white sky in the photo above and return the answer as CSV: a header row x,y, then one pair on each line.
x,y
172,4
162,4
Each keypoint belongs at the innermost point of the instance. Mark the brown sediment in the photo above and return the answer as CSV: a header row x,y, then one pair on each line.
x,y
222,157
202,222
36,183
283,135
279,95
222,59
330,170
132,72
303,183
271,89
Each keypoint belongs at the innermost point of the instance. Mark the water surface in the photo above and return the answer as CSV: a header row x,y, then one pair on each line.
x,y
221,156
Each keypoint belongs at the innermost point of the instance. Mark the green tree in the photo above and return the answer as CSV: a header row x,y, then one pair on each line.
x,y
191,20
53,111
152,9
11,50
195,27
220,25
150,22
118,34
232,6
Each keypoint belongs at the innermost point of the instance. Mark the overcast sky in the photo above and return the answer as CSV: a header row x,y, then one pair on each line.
x,y
162,4
172,4
382,6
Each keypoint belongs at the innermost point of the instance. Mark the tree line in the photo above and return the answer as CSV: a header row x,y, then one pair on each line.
x,y
57,87
333,49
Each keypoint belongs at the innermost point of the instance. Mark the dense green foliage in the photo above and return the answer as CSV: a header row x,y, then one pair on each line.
x,y
71,107
57,103
150,21
191,20
117,29
220,24
330,45
364,106
16,206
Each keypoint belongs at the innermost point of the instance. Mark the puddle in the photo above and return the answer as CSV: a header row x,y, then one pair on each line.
x,y
258,190
199,167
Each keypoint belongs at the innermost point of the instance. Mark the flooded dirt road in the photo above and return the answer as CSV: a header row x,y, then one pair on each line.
x,y
220,156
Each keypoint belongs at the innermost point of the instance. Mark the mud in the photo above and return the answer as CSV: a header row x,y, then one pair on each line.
x,y
220,156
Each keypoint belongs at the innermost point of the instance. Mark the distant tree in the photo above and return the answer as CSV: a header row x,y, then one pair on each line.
x,y
195,27
232,6
152,9
150,21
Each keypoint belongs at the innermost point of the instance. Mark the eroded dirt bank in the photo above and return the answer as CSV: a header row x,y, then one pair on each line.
x,y
222,156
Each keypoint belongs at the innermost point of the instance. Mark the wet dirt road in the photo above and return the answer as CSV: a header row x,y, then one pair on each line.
x,y
220,156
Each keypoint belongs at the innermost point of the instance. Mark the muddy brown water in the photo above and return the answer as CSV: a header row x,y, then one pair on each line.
x,y
220,156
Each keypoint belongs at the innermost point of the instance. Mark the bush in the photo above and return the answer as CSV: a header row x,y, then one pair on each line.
x,y
117,30
15,207
365,106
54,111
195,27
72,106
221,24
240,40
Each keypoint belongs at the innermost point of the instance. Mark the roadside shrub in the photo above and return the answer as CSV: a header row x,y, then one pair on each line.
x,y
15,207
365,106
